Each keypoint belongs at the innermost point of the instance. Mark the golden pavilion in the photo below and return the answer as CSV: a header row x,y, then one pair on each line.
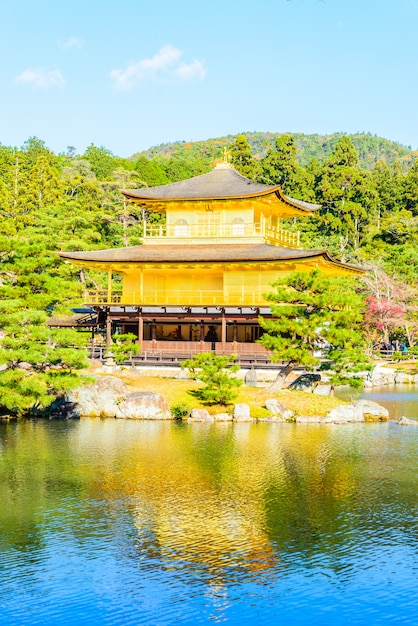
x,y
197,283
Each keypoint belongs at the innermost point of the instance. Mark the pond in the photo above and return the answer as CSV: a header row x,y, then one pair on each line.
x,y
400,400
123,522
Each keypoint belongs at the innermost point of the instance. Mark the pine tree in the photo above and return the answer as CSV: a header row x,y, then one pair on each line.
x,y
311,311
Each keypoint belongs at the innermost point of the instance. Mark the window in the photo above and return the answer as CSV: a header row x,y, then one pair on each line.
x,y
237,227
181,228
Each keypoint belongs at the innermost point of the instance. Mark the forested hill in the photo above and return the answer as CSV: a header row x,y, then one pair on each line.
x,y
51,203
370,148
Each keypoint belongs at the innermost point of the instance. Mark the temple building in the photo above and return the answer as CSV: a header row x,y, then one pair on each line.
x,y
198,281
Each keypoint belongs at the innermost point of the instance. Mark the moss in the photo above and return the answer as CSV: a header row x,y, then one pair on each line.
x,y
375,418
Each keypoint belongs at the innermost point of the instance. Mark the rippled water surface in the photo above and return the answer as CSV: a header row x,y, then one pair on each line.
x,y
118,522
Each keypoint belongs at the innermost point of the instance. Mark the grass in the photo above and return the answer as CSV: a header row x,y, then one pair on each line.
x,y
409,367
181,392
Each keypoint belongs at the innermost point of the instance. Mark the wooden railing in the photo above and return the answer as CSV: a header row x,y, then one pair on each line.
x,y
280,237
242,296
244,233
165,352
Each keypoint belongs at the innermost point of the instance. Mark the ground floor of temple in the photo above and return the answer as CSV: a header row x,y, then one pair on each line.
x,y
171,335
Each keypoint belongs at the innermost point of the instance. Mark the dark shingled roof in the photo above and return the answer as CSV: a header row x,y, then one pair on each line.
x,y
219,184
223,253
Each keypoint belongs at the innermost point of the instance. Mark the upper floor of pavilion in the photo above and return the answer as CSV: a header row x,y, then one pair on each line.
x,y
219,207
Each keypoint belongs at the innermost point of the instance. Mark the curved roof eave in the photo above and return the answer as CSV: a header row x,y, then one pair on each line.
x,y
299,204
223,183
246,253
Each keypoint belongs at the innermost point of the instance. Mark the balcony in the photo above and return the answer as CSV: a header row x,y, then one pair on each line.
x,y
239,232
244,296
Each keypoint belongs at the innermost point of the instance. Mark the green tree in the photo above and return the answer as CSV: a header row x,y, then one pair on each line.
x,y
37,362
311,311
124,347
280,167
411,189
215,371
348,199
102,161
242,158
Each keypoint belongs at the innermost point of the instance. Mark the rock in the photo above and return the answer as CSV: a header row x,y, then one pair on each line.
x,y
222,417
305,382
382,376
251,378
242,413
406,421
309,419
277,408
144,405
60,409
23,365
101,399
343,414
274,418
200,415
371,411
359,411
402,378
324,390
183,374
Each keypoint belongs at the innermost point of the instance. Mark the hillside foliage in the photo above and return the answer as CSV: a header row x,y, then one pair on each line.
x,y
367,188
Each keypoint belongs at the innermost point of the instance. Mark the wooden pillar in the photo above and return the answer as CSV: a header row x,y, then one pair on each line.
x,y
92,342
223,329
140,327
108,330
202,334
153,333
234,336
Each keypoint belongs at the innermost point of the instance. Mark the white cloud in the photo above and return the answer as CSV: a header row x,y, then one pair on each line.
x,y
191,71
163,64
71,42
41,77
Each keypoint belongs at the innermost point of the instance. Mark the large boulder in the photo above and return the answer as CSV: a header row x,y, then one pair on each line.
x,y
359,411
343,414
371,411
200,415
278,409
242,413
306,382
144,405
101,399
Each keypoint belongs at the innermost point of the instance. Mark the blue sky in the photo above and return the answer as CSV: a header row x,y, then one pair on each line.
x,y
130,74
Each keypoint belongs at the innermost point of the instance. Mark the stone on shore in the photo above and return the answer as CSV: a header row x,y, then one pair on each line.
x,y
222,417
278,409
309,419
242,413
358,411
406,421
145,405
200,415
111,397
101,399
